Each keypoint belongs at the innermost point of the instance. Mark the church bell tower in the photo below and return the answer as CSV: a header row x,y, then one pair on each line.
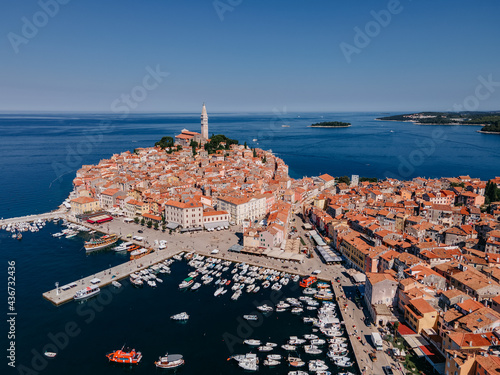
x,y
204,122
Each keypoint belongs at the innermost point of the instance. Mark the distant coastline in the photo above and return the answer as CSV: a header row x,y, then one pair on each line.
x,y
489,121
486,132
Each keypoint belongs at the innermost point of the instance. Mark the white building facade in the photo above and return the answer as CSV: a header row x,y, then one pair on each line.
x,y
187,215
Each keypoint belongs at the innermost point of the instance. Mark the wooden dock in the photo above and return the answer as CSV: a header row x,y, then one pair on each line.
x,y
109,275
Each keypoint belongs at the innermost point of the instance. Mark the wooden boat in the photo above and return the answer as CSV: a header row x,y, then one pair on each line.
x,y
170,361
101,243
295,362
139,253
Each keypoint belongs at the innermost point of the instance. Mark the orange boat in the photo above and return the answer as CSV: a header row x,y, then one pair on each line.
x,y
132,248
308,282
125,356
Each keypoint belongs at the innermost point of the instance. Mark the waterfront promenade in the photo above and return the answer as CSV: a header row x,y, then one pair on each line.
x,y
60,213
203,243
58,296
354,321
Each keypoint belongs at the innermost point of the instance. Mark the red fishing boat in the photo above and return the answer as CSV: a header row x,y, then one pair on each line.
x,y
125,356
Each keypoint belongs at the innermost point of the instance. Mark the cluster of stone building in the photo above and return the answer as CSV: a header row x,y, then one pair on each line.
x,y
191,191
431,259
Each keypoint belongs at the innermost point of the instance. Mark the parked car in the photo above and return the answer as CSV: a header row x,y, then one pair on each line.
x,y
388,370
140,231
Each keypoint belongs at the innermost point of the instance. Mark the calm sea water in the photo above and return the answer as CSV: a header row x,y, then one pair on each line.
x,y
40,154
136,317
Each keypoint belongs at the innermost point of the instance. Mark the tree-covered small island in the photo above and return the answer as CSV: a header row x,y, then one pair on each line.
x,y
331,124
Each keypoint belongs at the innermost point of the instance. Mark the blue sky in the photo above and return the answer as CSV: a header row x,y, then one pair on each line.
x,y
255,56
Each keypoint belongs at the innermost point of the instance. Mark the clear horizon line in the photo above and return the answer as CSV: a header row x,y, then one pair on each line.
x,y
5,112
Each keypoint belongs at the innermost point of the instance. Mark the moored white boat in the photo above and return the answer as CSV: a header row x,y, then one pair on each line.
x,y
180,316
265,348
265,308
250,317
317,365
271,362
252,342
170,361
88,292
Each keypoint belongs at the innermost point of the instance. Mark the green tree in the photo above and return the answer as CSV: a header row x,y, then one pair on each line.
x,y
136,220
143,221
163,227
219,142
155,225
344,179
179,147
165,142
245,144
264,160
396,326
494,127
492,192
254,153
194,145
163,218
149,224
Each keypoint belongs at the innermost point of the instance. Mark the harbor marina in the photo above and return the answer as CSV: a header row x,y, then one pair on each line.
x,y
244,278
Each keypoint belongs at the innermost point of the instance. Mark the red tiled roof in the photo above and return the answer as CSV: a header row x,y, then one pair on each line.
x,y
405,330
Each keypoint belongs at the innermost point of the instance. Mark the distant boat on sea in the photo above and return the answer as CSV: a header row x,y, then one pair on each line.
x,y
285,126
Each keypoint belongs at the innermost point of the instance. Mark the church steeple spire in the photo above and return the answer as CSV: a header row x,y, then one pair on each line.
x,y
204,122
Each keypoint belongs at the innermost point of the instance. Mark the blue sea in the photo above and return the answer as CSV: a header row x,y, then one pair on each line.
x,y
40,154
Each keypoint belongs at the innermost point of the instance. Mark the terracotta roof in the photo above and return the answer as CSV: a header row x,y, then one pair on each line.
x,y
326,177
422,305
84,200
